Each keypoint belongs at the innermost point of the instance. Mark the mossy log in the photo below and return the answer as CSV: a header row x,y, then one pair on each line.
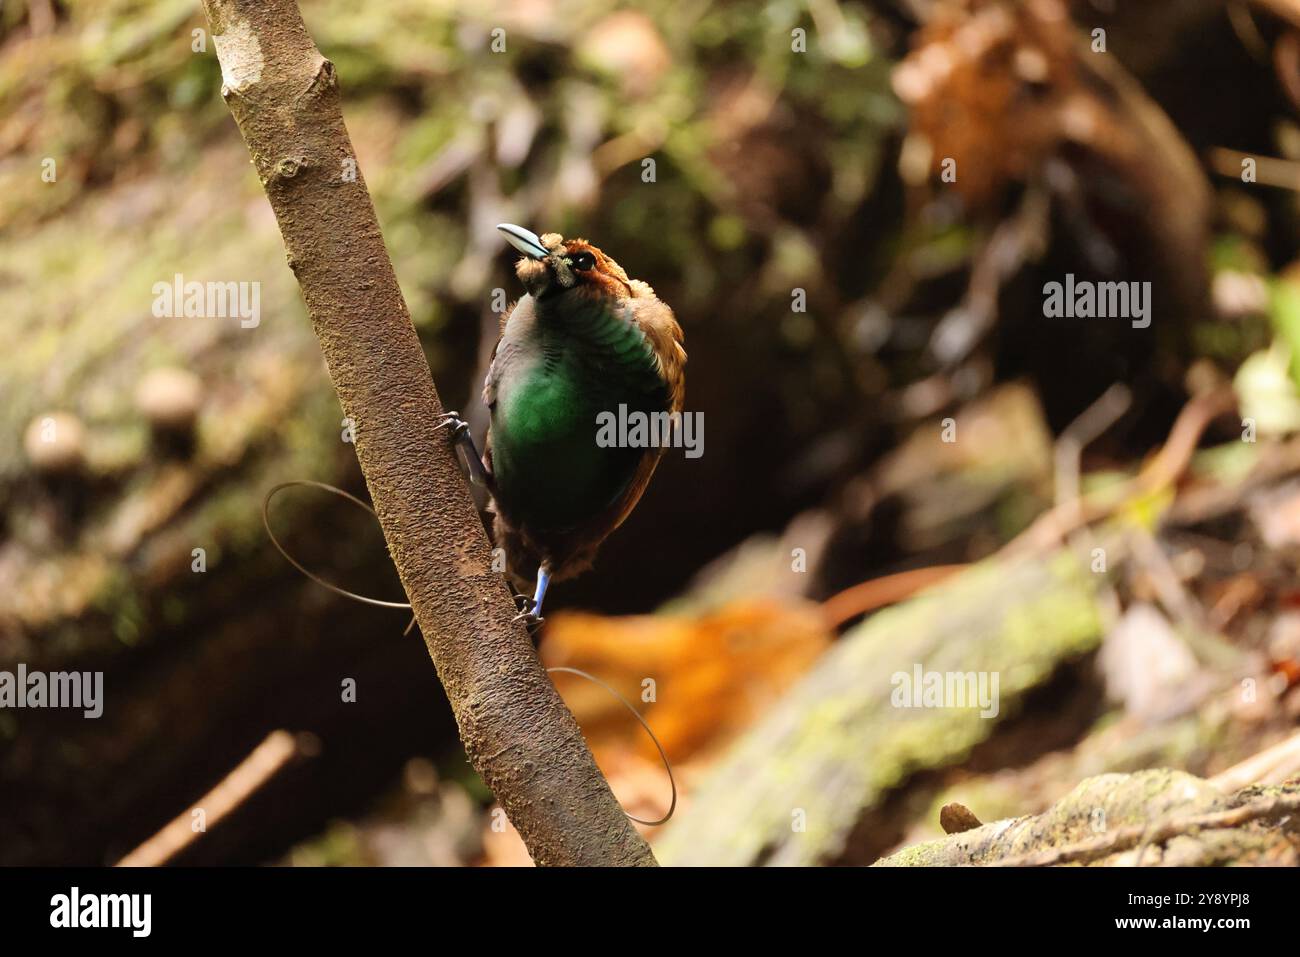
x,y
795,788
1158,817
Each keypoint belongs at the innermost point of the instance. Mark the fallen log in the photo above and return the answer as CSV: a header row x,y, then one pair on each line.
x,y
1158,817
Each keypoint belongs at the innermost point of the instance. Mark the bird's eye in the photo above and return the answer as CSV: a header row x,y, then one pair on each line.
x,y
583,261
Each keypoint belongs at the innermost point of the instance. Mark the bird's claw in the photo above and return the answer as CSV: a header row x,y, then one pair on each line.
x,y
532,621
458,425
460,436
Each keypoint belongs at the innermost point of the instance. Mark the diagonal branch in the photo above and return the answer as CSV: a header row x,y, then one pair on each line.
x,y
517,732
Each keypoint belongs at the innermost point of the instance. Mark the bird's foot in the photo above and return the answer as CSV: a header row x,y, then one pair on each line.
x,y
453,421
460,436
528,615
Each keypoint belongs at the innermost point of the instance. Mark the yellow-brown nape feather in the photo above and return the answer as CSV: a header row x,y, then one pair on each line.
x,y
604,264
605,276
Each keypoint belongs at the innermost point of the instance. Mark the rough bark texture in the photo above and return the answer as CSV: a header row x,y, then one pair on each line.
x,y
517,732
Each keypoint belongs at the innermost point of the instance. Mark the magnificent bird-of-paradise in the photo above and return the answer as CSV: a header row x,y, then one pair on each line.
x,y
583,341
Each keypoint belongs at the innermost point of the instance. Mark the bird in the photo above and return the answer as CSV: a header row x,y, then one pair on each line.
x,y
584,341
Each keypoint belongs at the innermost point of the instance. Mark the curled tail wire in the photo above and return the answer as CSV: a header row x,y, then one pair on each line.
x,y
380,603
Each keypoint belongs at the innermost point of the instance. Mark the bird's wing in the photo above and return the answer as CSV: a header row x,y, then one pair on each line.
x,y
490,381
662,332
514,323
664,335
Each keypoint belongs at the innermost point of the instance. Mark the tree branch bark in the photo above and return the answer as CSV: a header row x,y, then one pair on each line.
x,y
517,732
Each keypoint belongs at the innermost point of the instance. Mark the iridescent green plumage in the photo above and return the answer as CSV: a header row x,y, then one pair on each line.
x,y
551,382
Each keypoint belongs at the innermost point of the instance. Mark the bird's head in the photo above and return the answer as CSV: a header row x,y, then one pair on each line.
x,y
553,267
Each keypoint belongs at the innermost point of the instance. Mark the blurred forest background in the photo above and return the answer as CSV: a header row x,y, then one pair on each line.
x,y
751,584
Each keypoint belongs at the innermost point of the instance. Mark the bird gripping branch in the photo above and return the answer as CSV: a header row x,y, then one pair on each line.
x,y
584,340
